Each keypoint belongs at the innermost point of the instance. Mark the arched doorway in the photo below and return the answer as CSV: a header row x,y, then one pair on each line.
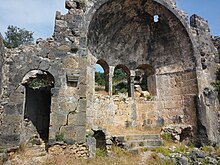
x,y
102,77
121,80
37,103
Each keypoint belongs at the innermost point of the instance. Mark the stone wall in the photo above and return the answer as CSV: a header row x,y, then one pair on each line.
x,y
76,150
1,60
165,46
177,92
67,99
174,103
151,35
207,102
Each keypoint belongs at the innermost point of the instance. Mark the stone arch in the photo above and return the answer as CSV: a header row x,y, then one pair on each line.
x,y
122,84
105,67
37,102
124,32
90,14
124,68
169,20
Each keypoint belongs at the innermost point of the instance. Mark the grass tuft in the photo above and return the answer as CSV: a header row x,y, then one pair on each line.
x,y
163,150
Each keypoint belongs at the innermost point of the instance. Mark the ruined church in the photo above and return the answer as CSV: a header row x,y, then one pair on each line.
x,y
48,88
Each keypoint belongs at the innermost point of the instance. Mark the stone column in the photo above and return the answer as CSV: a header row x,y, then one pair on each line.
x,y
131,84
131,94
110,76
106,81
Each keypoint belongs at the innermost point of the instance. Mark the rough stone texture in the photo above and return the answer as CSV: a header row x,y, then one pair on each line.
x,y
179,61
216,42
207,103
77,150
137,34
1,60
178,132
65,101
175,79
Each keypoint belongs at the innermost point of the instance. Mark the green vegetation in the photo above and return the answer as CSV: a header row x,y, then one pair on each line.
x,y
207,149
120,84
15,36
141,144
40,82
119,81
100,78
155,160
101,152
216,84
59,137
167,137
163,150
119,75
181,149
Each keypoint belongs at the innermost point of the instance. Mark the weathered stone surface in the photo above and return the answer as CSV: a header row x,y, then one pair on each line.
x,y
179,62
178,132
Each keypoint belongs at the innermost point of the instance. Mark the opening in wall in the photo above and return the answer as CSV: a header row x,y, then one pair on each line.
x,y
100,140
38,86
145,82
156,18
120,80
102,77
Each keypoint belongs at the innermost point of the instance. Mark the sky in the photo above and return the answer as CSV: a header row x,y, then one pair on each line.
x,y
208,9
38,15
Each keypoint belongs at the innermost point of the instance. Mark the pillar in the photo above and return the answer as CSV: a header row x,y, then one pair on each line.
x,y
131,84
110,76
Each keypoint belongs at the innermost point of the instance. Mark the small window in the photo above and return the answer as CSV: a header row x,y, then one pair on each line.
x,y
156,18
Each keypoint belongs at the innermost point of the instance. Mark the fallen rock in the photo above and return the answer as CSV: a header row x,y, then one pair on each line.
x,y
178,132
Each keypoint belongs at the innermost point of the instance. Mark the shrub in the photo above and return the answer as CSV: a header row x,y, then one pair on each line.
x,y
141,144
59,137
163,150
101,152
117,150
167,137
154,159
207,149
181,148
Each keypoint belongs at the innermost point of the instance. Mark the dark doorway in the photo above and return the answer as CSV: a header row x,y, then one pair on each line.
x,y
37,110
100,139
38,86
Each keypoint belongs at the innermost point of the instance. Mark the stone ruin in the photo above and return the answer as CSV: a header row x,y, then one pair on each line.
x,y
47,89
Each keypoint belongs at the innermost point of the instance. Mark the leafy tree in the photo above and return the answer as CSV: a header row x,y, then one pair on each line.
x,y
119,75
216,84
15,36
100,78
